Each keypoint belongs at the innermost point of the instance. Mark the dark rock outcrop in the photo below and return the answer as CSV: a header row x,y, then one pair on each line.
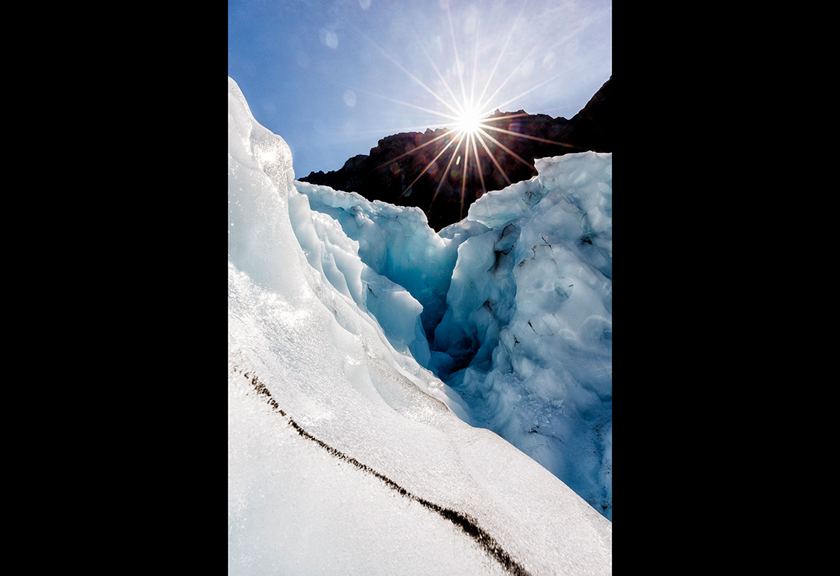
x,y
427,169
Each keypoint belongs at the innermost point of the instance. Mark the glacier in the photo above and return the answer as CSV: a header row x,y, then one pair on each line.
x,y
511,307
401,401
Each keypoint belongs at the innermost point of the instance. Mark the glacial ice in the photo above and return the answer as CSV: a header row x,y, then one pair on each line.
x,y
532,297
346,453
515,303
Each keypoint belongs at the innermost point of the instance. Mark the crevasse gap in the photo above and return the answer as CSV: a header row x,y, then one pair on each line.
x,y
511,307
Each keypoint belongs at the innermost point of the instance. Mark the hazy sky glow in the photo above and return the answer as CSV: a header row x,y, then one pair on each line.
x,y
332,77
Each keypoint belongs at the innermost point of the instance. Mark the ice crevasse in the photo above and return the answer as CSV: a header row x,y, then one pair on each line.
x,y
348,451
512,306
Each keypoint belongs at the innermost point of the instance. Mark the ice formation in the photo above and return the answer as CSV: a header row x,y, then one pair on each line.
x,y
529,312
515,303
347,454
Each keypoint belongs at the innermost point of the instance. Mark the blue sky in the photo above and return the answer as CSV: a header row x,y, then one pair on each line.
x,y
332,77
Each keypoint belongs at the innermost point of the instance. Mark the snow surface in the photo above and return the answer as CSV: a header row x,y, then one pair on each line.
x,y
346,455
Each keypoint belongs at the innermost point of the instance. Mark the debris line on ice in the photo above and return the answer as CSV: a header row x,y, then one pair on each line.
x,y
463,521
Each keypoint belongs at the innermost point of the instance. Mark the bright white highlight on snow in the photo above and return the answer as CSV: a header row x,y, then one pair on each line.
x,y
332,301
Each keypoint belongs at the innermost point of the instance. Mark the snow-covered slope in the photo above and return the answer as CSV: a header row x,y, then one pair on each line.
x,y
346,456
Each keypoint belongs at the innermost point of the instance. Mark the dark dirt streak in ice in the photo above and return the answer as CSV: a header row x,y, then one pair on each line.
x,y
463,521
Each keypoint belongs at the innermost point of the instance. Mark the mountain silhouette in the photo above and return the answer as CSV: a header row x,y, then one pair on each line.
x,y
413,169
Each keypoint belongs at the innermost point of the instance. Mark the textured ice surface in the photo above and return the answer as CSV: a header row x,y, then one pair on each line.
x,y
395,242
300,325
527,334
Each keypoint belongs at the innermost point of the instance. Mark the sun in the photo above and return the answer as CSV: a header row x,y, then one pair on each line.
x,y
469,121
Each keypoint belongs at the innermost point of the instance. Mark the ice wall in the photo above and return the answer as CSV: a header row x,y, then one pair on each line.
x,y
396,242
526,339
345,455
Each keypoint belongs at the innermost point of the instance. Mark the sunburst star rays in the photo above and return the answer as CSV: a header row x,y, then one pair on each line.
x,y
466,119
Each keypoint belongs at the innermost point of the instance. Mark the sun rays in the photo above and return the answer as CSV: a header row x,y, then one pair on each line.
x,y
468,113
